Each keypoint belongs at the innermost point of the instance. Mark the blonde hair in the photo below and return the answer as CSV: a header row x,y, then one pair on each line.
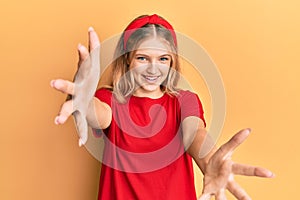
x,y
123,81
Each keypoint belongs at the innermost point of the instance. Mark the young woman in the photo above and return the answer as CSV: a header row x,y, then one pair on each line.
x,y
152,128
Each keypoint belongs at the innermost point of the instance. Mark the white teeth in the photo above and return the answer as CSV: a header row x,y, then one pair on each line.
x,y
151,78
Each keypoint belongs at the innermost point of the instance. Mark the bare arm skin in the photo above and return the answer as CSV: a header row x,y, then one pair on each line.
x,y
216,164
86,109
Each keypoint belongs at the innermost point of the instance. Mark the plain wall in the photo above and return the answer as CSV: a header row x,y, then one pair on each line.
x,y
255,45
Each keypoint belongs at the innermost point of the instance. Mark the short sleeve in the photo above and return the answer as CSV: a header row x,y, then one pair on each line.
x,y
104,95
190,105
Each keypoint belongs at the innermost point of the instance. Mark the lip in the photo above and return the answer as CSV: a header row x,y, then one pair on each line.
x,y
151,78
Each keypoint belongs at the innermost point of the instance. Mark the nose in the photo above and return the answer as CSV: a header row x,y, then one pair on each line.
x,y
152,68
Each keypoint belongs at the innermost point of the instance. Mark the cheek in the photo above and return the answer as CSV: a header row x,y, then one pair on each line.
x,y
165,69
137,69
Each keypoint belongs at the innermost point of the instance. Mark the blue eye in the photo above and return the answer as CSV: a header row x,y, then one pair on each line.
x,y
164,58
142,58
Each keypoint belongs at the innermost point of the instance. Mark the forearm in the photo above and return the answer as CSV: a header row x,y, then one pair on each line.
x,y
99,114
202,148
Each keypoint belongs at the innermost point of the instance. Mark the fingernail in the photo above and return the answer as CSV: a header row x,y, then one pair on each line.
x,y
91,29
248,130
80,143
271,174
79,46
52,83
56,120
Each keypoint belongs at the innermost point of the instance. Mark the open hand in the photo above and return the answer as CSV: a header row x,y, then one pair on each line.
x,y
220,170
83,88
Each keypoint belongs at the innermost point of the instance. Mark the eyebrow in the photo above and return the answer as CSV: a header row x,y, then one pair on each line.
x,y
142,54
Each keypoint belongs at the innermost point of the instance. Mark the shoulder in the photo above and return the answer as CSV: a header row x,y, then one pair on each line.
x,y
186,94
190,105
189,100
103,91
104,95
183,92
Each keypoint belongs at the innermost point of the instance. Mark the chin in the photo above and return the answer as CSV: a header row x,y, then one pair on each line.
x,y
150,88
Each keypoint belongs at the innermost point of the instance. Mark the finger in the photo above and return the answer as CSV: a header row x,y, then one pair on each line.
x,y
63,86
65,112
83,53
227,149
248,170
221,195
81,125
93,39
205,196
237,191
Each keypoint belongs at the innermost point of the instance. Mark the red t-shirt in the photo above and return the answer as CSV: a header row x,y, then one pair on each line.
x,y
144,158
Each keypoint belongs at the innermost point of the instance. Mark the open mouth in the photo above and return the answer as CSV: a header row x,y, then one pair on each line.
x,y
151,78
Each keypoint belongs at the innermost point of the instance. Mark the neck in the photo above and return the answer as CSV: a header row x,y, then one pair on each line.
x,y
150,94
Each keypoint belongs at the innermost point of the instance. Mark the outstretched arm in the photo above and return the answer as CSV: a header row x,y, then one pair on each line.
x,y
216,164
86,109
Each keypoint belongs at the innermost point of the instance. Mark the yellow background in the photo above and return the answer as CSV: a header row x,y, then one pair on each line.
x,y
255,45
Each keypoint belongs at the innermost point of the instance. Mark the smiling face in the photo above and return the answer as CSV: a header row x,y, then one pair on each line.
x,y
150,66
